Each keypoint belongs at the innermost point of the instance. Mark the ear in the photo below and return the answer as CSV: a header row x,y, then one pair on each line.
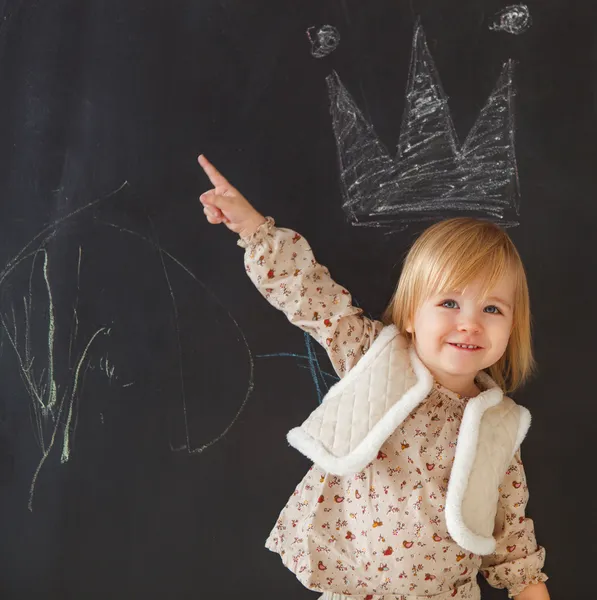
x,y
409,328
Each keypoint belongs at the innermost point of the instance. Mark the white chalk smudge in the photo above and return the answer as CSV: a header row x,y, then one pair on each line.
x,y
49,402
51,331
515,19
108,368
40,377
66,444
323,40
55,392
75,319
431,176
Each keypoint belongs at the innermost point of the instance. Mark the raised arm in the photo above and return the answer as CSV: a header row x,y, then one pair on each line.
x,y
282,266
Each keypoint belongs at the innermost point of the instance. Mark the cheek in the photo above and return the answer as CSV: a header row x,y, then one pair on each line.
x,y
431,325
438,321
501,335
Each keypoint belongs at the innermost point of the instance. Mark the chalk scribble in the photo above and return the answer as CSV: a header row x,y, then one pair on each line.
x,y
189,445
515,19
31,323
53,398
321,378
323,40
431,176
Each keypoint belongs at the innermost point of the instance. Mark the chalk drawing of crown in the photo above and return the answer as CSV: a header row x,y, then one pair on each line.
x,y
432,176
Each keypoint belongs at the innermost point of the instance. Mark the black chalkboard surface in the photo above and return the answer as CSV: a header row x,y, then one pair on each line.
x,y
146,386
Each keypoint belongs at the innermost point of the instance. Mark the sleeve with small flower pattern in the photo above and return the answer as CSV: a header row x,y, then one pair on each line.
x,y
283,268
518,560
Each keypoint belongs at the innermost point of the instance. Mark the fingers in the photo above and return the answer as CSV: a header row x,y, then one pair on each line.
x,y
210,198
214,215
214,204
214,175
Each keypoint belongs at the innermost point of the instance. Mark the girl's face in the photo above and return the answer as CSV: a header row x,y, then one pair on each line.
x,y
446,325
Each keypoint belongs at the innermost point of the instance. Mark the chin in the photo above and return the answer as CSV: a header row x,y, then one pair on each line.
x,y
460,369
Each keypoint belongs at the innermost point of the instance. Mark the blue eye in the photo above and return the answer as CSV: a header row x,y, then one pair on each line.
x,y
493,310
449,304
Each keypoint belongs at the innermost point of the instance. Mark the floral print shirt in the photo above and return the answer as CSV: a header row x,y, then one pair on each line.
x,y
381,534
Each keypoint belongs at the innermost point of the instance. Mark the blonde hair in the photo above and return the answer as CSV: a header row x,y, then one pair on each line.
x,y
448,256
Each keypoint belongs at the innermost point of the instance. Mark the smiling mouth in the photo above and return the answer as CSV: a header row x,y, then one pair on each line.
x,y
466,347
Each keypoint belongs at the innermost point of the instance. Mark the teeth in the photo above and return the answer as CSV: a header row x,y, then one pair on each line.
x,y
466,346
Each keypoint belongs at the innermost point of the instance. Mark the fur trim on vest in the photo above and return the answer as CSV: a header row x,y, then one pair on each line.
x,y
344,434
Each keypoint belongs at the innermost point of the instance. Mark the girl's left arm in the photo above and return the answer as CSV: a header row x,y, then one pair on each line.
x,y
517,562
535,591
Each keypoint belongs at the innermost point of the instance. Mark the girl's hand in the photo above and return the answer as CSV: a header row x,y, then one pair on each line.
x,y
225,204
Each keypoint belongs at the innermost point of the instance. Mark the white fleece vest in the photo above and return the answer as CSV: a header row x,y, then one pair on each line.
x,y
344,434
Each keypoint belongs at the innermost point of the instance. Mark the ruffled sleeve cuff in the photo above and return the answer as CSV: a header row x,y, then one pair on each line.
x,y
264,229
518,574
520,587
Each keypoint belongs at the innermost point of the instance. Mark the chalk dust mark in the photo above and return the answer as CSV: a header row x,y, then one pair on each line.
x,y
65,447
188,446
515,19
107,368
42,387
431,175
75,319
52,406
323,40
81,387
51,332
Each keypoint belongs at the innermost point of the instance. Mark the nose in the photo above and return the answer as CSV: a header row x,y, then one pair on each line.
x,y
468,323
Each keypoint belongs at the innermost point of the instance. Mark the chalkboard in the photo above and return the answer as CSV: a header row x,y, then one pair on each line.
x,y
146,386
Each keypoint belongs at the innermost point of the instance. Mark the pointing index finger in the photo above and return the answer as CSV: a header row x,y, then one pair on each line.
x,y
214,175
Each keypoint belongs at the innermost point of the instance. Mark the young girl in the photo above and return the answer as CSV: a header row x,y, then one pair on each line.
x,y
418,483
